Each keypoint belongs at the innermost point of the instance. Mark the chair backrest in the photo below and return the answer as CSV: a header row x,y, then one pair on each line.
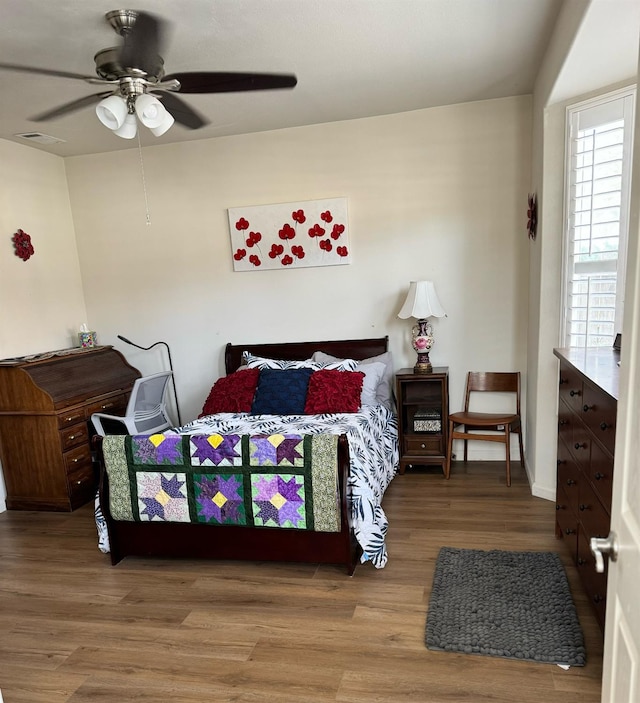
x,y
493,382
147,404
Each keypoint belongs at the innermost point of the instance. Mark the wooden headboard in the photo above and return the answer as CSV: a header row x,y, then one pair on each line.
x,y
298,351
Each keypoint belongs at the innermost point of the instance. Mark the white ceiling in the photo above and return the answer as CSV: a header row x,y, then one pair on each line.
x,y
353,58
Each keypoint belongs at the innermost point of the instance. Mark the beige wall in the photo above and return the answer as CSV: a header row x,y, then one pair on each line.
x,y
437,194
41,300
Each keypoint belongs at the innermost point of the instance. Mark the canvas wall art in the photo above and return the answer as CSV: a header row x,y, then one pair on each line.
x,y
290,235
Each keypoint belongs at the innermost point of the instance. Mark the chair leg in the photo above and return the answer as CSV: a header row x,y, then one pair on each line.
x,y
447,463
507,439
465,445
521,447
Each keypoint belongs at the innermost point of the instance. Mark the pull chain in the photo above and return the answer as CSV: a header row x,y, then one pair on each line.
x,y
144,184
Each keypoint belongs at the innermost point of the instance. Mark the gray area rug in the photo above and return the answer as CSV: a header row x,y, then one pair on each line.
x,y
504,604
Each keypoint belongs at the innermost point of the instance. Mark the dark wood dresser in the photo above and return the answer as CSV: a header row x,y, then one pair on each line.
x,y
587,407
46,402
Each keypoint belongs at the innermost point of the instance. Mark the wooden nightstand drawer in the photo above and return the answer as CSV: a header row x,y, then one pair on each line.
x,y
419,446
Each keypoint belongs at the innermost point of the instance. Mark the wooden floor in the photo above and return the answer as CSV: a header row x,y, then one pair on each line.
x,y
73,628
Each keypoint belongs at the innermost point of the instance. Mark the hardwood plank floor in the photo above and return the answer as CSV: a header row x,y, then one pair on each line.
x,y
74,629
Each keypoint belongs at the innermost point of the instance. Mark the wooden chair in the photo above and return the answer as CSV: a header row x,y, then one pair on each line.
x,y
468,425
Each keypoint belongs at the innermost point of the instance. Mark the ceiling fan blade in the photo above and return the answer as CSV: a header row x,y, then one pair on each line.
x,y
215,82
70,107
181,112
142,43
44,71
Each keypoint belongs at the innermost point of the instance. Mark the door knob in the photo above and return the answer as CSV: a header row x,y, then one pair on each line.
x,y
604,545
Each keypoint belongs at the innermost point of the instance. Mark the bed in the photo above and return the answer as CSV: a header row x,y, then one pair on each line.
x,y
363,445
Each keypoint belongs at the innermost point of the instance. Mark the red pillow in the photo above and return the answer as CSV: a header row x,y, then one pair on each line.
x,y
232,394
333,391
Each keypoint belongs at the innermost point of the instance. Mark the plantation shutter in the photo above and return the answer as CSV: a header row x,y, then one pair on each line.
x,y
599,168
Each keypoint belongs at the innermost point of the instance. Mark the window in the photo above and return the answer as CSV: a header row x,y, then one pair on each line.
x,y
598,178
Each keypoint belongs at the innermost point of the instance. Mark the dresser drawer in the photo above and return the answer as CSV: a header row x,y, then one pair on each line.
x,y
580,445
599,414
571,388
424,446
601,474
567,522
112,405
592,515
74,436
569,474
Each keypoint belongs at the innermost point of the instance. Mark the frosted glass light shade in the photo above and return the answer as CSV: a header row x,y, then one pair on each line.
x,y
112,111
129,129
163,126
422,302
150,110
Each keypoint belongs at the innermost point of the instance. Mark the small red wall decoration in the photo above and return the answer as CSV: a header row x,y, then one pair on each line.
x,y
22,243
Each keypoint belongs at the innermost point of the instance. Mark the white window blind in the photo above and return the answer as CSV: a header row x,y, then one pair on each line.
x,y
598,178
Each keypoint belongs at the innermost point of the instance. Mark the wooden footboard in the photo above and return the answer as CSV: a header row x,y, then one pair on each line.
x,y
189,540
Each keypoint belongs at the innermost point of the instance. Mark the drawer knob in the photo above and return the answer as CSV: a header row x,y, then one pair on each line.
x,y
569,531
581,562
72,436
604,426
75,461
573,393
586,407
78,482
582,507
106,406
563,422
69,419
423,446
598,476
563,380
579,445
570,482
598,598
561,461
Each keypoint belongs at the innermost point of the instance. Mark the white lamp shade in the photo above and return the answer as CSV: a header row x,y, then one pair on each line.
x,y
163,126
422,302
112,111
129,129
150,110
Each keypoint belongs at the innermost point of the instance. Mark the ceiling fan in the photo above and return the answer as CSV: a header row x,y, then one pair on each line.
x,y
136,69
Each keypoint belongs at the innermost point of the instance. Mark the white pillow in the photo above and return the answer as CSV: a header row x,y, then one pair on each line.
x,y
261,362
384,392
373,374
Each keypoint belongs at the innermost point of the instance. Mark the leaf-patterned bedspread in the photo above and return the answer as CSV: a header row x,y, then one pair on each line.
x,y
286,480
372,434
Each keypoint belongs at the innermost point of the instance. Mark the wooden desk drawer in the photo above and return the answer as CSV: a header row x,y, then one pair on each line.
x,y
81,485
113,405
423,446
74,436
77,459
71,417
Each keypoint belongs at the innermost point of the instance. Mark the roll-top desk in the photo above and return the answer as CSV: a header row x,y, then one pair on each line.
x,y
46,402
587,407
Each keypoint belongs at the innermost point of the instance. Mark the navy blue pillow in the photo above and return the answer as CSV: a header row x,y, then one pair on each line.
x,y
281,392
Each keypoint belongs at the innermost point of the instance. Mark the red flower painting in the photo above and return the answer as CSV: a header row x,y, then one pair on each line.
x,y
290,235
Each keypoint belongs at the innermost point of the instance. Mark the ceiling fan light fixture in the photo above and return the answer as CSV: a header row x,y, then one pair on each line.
x,y
163,126
150,111
129,129
112,112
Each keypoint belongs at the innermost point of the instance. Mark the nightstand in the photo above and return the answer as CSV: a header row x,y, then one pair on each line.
x,y
423,407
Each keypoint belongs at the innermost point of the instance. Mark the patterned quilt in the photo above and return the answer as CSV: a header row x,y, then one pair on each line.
x,y
284,480
372,434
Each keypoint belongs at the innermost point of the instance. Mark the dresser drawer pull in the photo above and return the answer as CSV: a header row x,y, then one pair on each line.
x,y
579,445
598,598
106,406
75,461
604,426
563,380
582,507
72,436
572,393
570,482
598,476
586,407
561,461
581,562
563,422
569,531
